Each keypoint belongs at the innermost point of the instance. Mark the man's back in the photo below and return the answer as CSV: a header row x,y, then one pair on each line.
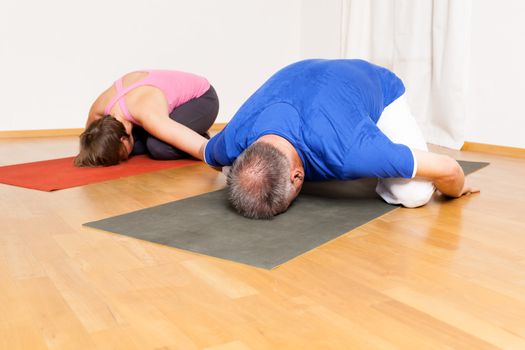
x,y
316,84
327,109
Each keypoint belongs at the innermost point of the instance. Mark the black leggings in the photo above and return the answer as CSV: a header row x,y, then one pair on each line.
x,y
197,114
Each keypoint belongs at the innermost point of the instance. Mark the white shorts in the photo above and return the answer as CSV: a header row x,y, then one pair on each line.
x,y
398,124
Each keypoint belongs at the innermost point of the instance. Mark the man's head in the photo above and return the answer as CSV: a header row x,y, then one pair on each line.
x,y
263,182
105,142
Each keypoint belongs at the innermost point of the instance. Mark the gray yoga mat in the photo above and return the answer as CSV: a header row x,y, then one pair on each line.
x,y
206,224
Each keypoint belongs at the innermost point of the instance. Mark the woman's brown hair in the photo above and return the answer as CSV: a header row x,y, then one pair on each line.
x,y
101,143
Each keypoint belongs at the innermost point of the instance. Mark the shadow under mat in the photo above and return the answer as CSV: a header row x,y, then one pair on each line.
x,y
206,223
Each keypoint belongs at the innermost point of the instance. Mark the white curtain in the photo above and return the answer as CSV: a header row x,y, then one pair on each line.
x,y
426,43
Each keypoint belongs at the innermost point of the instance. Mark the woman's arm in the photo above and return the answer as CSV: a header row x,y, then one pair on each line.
x,y
446,174
176,134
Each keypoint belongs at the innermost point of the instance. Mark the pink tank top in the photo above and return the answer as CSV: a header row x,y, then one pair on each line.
x,y
178,87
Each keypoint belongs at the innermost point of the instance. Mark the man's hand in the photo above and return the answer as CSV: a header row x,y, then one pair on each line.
x,y
467,189
446,174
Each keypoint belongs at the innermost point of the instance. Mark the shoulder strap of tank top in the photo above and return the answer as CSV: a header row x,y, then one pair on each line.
x,y
121,92
121,101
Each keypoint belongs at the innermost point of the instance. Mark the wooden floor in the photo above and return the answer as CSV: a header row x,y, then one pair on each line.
x,y
450,275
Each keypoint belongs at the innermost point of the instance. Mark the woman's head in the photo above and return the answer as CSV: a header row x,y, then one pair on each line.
x,y
105,142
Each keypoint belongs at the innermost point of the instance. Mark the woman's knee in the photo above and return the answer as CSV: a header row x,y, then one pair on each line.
x,y
162,151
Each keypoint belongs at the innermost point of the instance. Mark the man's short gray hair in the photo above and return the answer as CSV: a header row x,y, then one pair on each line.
x,y
259,185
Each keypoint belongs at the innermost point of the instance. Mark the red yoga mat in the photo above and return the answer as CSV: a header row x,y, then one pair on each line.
x,y
58,174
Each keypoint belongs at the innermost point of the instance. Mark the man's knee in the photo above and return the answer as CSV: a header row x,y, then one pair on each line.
x,y
409,193
414,200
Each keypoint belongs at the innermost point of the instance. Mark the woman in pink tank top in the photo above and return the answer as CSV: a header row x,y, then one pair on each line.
x,y
165,114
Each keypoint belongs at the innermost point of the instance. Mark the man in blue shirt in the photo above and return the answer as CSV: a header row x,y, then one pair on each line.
x,y
323,120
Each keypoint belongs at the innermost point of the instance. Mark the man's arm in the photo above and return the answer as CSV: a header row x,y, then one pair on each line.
x,y
446,174
176,134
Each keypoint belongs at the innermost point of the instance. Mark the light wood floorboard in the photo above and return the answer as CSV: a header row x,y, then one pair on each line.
x,y
450,275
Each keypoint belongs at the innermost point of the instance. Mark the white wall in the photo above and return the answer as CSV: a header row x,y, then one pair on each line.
x,y
56,56
321,28
497,76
